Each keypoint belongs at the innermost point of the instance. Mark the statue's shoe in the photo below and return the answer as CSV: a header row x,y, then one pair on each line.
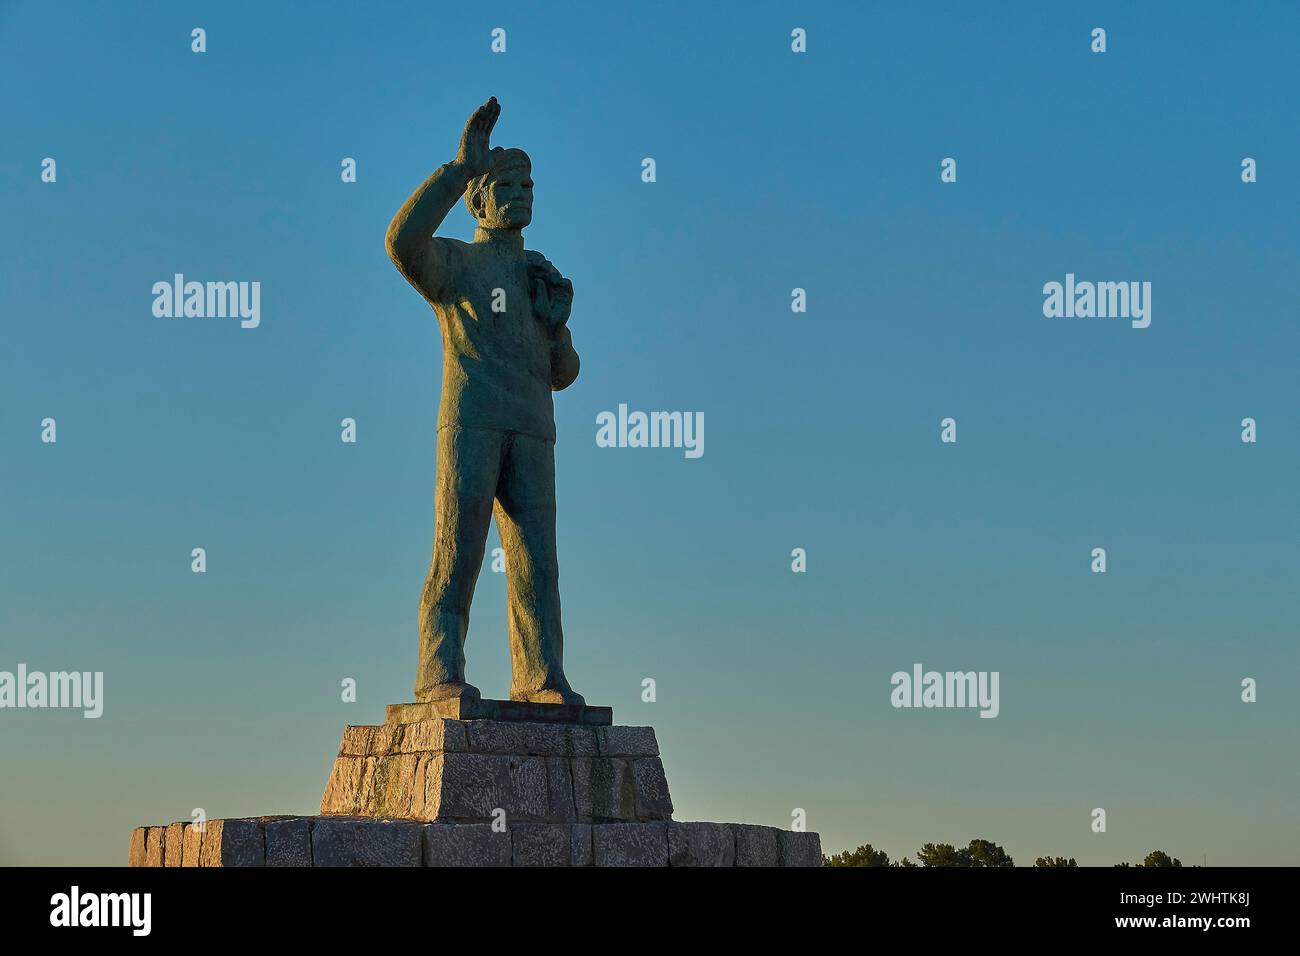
x,y
549,695
449,690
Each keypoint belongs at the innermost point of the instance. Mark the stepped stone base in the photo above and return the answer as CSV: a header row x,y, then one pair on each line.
x,y
430,789
474,771
366,841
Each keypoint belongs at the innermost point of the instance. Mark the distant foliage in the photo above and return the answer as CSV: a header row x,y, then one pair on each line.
x,y
976,853
865,855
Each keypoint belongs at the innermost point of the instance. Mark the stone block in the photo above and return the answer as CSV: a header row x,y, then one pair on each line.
x,y
541,844
580,851
356,741
604,789
172,844
757,846
630,844
559,785
343,789
701,844
627,742
530,739
191,845
392,786
155,846
652,799
363,842
232,843
465,844
800,849
137,851
433,736
470,787
288,842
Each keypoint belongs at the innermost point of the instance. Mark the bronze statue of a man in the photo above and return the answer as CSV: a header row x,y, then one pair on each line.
x,y
503,312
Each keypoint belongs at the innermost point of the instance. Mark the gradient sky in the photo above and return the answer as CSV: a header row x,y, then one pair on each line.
x,y
775,170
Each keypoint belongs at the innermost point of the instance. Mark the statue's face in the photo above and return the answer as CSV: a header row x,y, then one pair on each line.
x,y
508,199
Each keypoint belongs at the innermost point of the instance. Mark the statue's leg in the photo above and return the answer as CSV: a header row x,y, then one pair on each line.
x,y
469,461
525,511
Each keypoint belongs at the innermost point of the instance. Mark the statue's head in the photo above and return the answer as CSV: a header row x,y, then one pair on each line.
x,y
502,198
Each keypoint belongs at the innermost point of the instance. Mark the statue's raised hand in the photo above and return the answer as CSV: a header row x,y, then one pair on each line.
x,y
475,155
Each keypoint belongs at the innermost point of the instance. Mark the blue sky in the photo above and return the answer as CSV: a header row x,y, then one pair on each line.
x,y
775,170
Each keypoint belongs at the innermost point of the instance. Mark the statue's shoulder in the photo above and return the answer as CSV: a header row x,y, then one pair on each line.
x,y
448,254
453,246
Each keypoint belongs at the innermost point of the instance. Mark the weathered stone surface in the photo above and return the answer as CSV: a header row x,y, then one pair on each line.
x,y
382,739
652,799
559,785
701,844
800,849
364,842
393,786
191,845
627,742
429,736
288,842
343,789
466,786
466,844
471,786
356,741
232,842
172,844
757,846
604,789
137,851
580,850
630,844
541,844
521,739
366,803
155,846
529,789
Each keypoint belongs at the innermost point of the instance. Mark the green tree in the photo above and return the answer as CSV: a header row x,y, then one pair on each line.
x,y
987,853
978,853
941,854
865,855
1155,858
1054,861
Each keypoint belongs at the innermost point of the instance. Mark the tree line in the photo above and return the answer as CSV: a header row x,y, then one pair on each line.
x,y
976,853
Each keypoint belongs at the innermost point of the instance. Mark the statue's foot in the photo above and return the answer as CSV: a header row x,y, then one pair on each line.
x,y
449,690
549,695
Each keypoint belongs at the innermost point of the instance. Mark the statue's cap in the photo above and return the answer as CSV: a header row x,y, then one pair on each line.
x,y
507,159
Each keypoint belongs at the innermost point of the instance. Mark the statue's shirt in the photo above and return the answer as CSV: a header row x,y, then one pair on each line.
x,y
496,366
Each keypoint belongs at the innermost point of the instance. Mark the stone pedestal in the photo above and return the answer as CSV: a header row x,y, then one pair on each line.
x,y
480,771
435,786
